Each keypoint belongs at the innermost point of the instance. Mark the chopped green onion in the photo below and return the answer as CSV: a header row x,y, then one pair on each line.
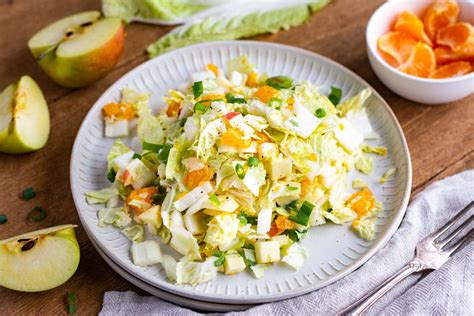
x,y
200,107
335,95
3,219
242,218
151,147
158,198
136,156
28,194
164,152
291,188
302,217
329,210
295,235
71,303
214,199
220,258
280,82
198,89
320,113
231,99
291,206
37,214
276,101
239,169
252,220
111,175
253,162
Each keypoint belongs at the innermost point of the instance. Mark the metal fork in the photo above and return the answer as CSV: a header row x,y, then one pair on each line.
x,y
431,253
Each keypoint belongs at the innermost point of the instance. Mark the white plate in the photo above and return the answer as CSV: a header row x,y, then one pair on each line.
x,y
334,250
170,297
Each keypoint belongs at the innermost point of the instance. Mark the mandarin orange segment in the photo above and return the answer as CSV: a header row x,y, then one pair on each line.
x,y
121,111
421,62
234,137
266,93
440,14
454,35
456,69
408,22
397,45
362,202
445,55
194,178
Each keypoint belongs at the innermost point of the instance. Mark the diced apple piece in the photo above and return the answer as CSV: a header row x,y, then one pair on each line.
x,y
264,221
279,167
282,240
193,196
116,129
267,251
24,118
152,217
233,264
348,136
139,175
146,253
79,49
195,223
267,150
40,260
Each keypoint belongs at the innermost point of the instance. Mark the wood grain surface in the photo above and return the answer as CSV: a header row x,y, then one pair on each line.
x,y
441,138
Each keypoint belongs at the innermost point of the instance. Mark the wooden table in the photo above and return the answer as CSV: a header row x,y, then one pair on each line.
x,y
440,137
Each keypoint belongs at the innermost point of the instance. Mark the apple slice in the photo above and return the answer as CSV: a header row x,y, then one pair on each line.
x,y
24,118
79,49
6,110
40,260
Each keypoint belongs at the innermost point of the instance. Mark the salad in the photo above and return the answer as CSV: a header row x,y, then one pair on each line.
x,y
234,171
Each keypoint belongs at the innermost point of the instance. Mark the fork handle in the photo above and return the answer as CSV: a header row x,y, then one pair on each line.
x,y
360,306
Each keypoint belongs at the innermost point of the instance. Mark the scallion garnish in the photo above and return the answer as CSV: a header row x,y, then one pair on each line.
x,y
111,175
152,147
294,123
253,162
320,113
335,95
302,217
3,219
158,198
198,89
200,107
136,156
275,102
252,220
37,214
220,258
239,169
291,188
280,82
242,218
231,99
28,194
164,152
214,199
71,303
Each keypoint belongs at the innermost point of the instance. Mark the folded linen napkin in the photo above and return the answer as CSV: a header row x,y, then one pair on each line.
x,y
447,291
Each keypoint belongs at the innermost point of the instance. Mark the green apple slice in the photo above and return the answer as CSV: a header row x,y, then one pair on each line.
x,y
28,126
79,49
6,110
40,260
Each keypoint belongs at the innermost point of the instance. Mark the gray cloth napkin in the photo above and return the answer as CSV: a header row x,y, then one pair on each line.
x,y
447,291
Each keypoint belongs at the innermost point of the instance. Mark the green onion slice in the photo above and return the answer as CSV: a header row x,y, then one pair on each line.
x,y
136,156
28,194
242,218
220,258
164,152
291,188
71,303
200,107
275,102
214,199
335,95
280,82
198,89
37,214
151,147
302,217
111,175
239,169
158,198
3,219
231,99
320,113
253,162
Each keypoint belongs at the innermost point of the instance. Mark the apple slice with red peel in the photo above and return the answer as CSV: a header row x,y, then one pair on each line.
x,y
24,118
79,49
40,260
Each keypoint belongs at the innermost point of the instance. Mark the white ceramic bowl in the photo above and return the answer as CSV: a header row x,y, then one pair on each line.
x,y
422,90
